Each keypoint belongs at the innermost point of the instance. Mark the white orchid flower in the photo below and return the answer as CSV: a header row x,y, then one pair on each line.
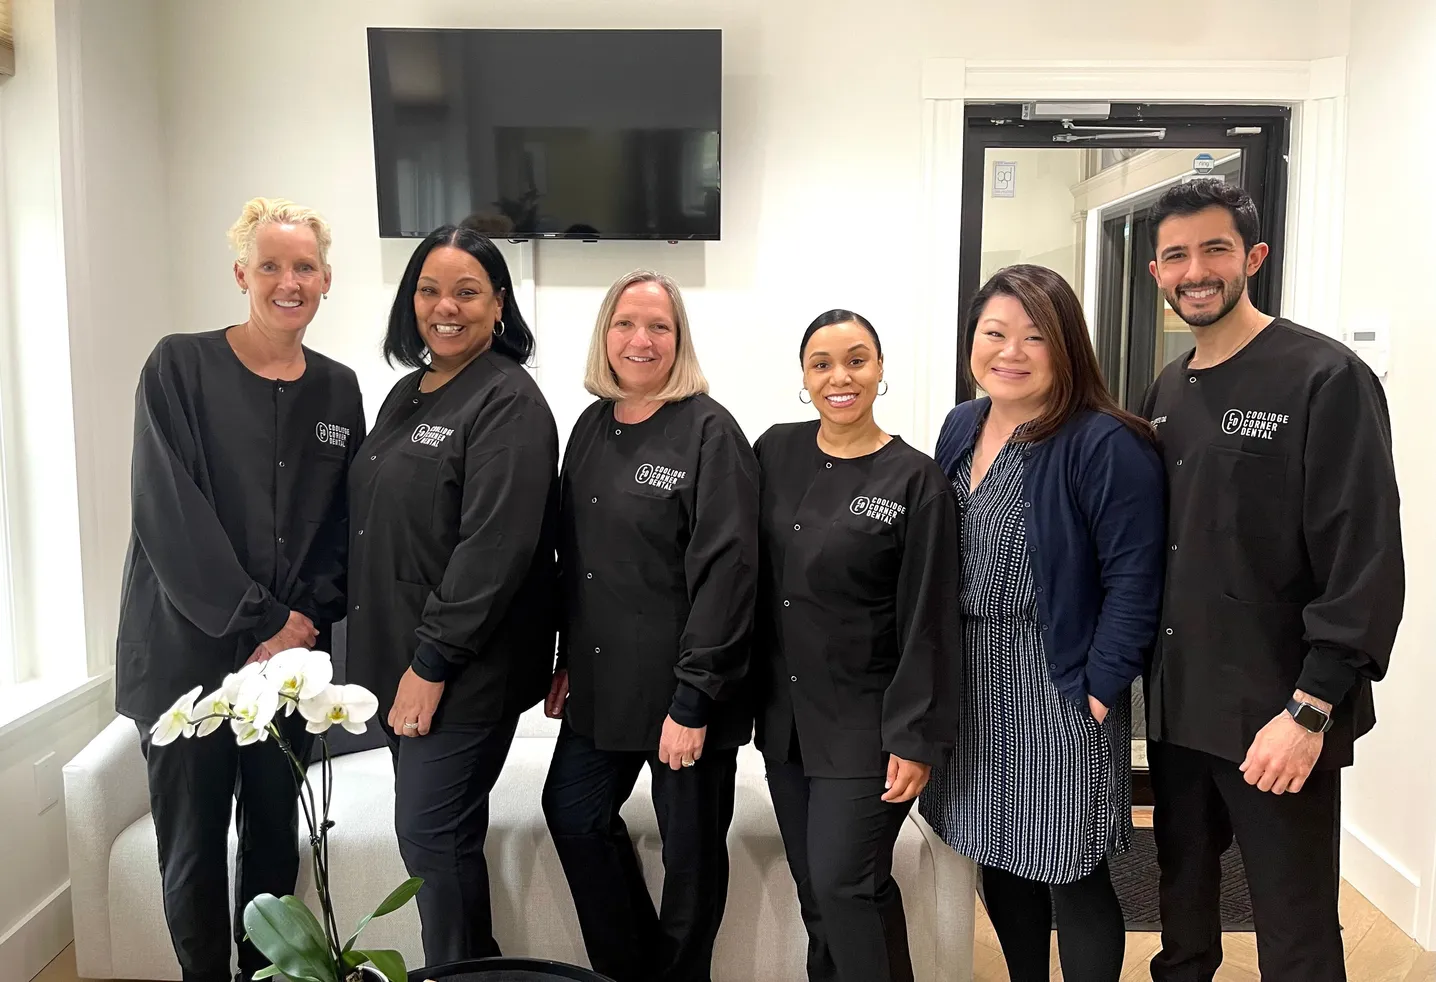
x,y
254,709
301,674
247,733
350,706
175,722
235,681
211,711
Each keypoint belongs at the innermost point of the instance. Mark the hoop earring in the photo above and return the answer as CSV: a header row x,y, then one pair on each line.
x,y
499,331
801,393
883,387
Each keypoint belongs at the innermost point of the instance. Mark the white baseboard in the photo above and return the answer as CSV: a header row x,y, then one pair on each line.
x,y
1393,889
41,935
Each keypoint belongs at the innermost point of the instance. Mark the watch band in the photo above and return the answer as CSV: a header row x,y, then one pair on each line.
x,y
1308,716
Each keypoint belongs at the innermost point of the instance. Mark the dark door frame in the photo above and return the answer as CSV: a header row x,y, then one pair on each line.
x,y
1264,175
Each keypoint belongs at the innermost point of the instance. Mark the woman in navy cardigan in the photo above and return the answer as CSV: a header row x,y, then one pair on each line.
x,y
1062,501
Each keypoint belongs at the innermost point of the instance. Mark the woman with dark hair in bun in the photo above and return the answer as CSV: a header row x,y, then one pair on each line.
x,y
858,623
451,549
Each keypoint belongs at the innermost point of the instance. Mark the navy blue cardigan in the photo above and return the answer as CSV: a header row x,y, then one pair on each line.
x,y
1094,507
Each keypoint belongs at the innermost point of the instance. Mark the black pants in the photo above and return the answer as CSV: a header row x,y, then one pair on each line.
x,y
1091,934
194,785
1290,845
441,815
839,835
626,939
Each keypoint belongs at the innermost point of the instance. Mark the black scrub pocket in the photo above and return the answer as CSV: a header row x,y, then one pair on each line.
x,y
324,473
1248,493
1262,649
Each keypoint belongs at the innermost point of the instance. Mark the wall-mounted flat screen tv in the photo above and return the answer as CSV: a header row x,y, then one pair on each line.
x,y
578,134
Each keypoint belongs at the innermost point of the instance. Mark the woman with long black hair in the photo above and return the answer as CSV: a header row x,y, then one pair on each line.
x,y
453,499
1063,504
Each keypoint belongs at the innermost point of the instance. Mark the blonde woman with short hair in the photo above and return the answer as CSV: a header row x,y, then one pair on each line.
x,y
658,557
243,439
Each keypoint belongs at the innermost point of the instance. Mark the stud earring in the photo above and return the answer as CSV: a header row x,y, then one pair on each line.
x,y
243,290
323,296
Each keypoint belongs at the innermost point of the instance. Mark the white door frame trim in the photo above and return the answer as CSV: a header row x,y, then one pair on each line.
x,y
1315,90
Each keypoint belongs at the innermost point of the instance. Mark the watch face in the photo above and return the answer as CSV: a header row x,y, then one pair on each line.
x,y
1311,718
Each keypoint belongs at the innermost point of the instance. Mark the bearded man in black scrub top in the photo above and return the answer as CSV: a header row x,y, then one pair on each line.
x,y
451,568
658,558
860,632
243,437
1284,589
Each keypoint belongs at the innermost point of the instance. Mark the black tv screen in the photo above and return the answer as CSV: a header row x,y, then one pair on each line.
x,y
582,134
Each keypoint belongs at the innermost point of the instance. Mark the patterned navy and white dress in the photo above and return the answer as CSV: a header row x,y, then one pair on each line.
x,y
1034,786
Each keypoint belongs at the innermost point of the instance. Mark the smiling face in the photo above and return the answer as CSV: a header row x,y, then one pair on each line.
x,y
285,278
841,371
456,307
642,339
1010,357
1202,265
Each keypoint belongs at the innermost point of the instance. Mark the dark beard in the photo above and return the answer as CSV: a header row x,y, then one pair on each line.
x,y
1231,296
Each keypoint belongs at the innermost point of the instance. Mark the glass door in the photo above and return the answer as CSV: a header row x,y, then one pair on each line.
x,y
1072,193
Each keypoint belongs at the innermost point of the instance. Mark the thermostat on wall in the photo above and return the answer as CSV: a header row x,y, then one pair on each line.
x,y
1371,342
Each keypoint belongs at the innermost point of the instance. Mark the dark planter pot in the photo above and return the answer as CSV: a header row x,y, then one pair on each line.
x,y
506,970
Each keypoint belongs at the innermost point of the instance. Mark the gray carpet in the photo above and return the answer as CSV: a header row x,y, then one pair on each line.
x,y
1135,876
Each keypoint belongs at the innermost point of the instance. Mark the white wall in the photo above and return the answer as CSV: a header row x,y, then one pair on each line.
x,y
820,173
90,292
35,921
1390,796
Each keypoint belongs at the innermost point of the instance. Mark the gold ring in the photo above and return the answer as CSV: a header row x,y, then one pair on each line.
x,y
688,763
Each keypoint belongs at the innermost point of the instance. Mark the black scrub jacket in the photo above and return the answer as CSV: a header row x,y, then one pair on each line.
x,y
858,622
238,514
1284,566
451,543
659,565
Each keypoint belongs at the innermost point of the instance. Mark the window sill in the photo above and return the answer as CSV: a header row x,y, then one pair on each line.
x,y
24,703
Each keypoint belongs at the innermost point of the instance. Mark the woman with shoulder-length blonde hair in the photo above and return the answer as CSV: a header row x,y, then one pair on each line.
x,y
243,439
658,560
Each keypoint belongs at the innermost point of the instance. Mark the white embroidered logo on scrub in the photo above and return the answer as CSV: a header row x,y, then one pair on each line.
x,y
332,434
430,436
1253,423
659,477
880,508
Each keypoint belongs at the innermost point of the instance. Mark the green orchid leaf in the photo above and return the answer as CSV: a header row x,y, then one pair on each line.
x,y
266,973
284,937
307,918
401,896
391,963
